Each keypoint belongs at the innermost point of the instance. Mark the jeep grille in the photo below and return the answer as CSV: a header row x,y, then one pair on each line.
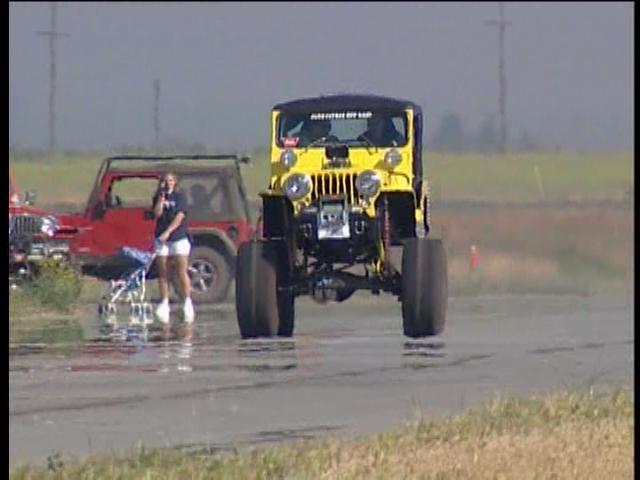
x,y
334,183
26,224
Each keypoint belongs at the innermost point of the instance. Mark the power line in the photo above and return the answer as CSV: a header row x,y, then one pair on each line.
x,y
502,25
53,34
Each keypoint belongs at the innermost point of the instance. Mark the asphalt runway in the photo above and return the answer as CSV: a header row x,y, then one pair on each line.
x,y
348,370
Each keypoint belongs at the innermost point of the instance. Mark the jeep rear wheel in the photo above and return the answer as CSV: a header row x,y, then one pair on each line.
x,y
210,275
262,309
424,287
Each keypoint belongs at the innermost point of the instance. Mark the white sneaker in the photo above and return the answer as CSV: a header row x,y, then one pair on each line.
x,y
163,311
189,314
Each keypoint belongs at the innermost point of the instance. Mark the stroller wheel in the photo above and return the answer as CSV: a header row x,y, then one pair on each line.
x,y
135,314
106,310
107,313
147,313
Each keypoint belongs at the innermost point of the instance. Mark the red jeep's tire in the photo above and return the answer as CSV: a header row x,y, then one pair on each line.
x,y
261,309
210,275
424,287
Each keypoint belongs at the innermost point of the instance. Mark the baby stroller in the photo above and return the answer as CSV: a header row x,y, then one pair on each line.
x,y
129,289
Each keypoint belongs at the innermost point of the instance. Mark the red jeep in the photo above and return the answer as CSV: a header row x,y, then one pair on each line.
x,y
119,214
31,234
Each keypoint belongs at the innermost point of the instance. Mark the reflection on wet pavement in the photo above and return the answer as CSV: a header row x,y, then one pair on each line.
x,y
270,355
456,362
213,344
424,349
207,345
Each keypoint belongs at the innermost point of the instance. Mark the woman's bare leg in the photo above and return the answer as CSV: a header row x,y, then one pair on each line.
x,y
163,284
163,311
182,271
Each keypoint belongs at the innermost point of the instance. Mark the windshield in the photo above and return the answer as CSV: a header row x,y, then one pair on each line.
x,y
213,196
361,128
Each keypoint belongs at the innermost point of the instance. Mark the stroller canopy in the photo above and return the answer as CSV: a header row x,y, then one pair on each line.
x,y
136,255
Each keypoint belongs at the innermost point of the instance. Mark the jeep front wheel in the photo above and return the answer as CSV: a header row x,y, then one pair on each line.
x,y
262,309
210,275
424,287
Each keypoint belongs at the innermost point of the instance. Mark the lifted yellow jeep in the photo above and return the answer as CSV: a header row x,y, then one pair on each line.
x,y
346,189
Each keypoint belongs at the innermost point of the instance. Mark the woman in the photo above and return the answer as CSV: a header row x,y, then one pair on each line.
x,y
172,242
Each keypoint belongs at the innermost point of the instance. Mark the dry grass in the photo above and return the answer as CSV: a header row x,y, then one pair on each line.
x,y
561,436
501,267
571,451
539,249
542,230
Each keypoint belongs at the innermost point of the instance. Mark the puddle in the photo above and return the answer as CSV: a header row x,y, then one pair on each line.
x,y
212,344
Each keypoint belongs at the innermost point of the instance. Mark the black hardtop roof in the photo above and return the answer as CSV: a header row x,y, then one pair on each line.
x,y
136,162
160,168
342,102
161,158
158,164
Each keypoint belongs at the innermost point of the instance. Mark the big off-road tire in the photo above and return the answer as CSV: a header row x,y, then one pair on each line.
x,y
424,287
210,275
262,309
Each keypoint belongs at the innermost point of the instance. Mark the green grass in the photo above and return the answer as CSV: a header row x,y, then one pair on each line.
x,y
580,434
513,178
68,179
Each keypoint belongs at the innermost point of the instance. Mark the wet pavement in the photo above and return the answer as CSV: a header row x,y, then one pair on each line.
x,y
347,370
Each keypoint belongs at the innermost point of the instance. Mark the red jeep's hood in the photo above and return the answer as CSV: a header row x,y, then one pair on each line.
x,y
21,209
67,224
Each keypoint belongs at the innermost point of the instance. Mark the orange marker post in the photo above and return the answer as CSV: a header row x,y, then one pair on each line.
x,y
474,258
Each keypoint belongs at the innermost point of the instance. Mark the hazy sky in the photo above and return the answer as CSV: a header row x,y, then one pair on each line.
x,y
222,66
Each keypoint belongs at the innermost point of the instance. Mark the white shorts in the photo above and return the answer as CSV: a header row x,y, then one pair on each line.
x,y
179,247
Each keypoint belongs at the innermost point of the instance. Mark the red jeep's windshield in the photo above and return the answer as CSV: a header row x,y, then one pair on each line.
x,y
213,195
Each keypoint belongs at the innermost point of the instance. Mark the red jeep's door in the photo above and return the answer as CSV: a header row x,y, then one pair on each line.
x,y
124,222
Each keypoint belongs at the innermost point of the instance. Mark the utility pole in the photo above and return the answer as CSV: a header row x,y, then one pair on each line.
x,y
502,25
156,111
53,34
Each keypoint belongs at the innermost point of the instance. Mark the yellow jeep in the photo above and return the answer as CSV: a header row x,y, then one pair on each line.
x,y
346,190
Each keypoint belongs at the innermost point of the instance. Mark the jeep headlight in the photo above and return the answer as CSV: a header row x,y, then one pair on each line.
x,y
49,225
297,186
288,158
392,158
368,183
